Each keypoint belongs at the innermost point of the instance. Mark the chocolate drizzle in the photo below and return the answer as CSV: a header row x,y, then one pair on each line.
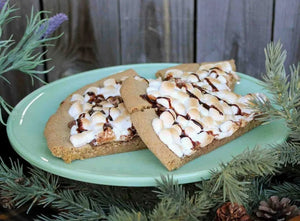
x,y
106,126
80,128
199,88
213,69
169,76
159,109
132,131
197,123
167,98
95,98
196,75
147,98
214,88
101,104
206,106
108,118
180,84
239,112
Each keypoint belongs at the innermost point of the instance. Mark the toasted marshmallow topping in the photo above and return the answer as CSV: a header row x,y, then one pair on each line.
x,y
100,116
219,74
191,116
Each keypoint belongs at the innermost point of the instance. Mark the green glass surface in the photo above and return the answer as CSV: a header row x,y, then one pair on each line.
x,y
140,168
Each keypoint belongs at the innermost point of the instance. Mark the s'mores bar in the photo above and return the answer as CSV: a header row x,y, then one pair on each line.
x,y
180,119
92,122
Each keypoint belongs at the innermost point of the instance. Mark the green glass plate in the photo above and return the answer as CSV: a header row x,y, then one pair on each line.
x,y
140,168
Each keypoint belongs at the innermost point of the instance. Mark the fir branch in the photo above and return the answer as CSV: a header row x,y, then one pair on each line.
x,y
67,216
292,190
275,78
190,208
124,198
233,178
15,172
169,188
176,204
288,152
165,210
117,215
42,188
257,192
284,88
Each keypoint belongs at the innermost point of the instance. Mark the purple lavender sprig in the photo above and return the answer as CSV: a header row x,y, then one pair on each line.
x,y
53,24
2,3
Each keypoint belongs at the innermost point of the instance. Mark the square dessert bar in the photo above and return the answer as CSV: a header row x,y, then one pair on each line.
x,y
188,111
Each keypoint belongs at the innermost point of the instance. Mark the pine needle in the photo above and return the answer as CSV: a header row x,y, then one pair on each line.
x,y
292,190
232,178
117,215
284,88
288,152
168,188
6,107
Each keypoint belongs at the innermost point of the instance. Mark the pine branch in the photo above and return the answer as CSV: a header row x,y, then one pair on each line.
x,y
124,198
275,78
117,215
42,188
233,178
190,208
106,196
168,188
284,88
10,174
176,204
67,216
165,210
292,190
257,192
288,152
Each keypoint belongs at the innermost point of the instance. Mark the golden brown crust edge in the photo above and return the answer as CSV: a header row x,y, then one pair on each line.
x,y
57,132
142,121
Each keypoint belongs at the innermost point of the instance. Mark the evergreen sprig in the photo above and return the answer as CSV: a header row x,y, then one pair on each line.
x,y
177,204
124,215
285,189
288,152
42,188
233,178
284,88
168,188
